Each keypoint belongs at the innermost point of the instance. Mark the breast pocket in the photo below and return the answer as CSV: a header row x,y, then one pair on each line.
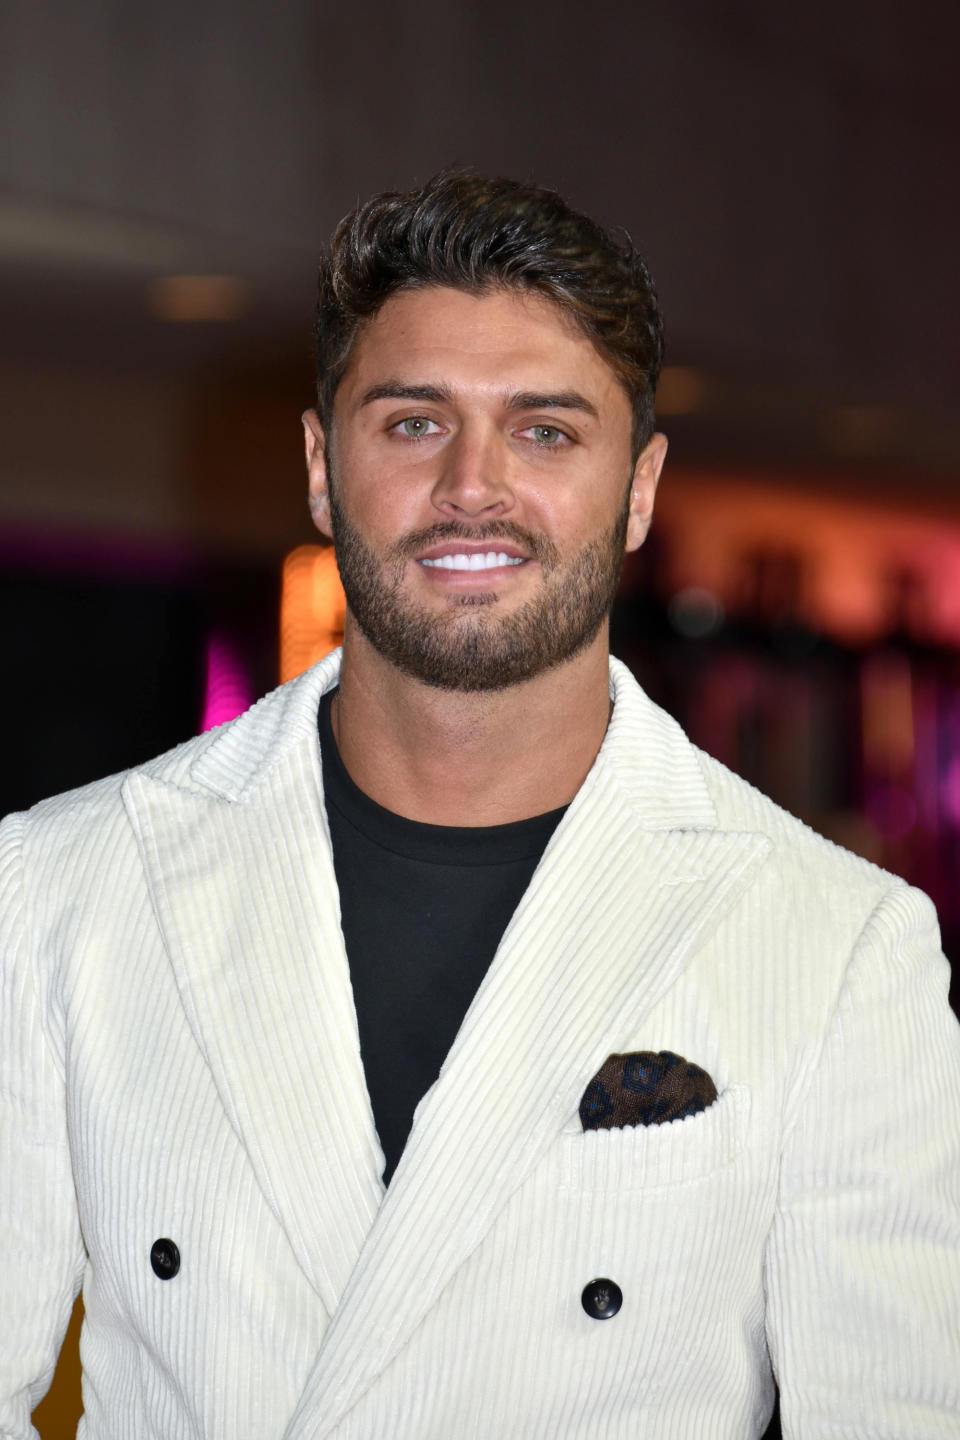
x,y
653,1157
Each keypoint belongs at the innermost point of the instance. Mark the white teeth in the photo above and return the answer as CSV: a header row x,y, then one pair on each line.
x,y
477,560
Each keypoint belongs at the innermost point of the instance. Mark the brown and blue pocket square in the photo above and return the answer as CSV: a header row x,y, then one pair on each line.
x,y
645,1088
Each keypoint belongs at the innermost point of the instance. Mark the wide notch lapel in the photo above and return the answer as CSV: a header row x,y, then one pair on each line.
x,y
238,860
632,883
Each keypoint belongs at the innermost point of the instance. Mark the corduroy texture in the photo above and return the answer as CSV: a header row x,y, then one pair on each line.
x,y
179,1058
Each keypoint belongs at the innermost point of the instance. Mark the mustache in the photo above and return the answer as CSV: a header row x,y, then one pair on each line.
x,y
537,547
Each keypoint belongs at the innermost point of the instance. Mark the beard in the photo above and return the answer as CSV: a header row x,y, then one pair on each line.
x,y
467,646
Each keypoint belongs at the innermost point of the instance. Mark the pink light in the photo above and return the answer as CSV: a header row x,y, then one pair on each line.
x,y
229,688
951,794
93,555
892,810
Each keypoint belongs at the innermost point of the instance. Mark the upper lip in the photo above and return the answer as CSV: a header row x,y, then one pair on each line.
x,y
474,547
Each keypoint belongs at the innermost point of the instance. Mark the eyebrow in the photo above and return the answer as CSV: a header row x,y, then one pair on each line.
x,y
552,400
441,394
396,390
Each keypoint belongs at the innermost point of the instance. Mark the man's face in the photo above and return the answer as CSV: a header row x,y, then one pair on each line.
x,y
479,488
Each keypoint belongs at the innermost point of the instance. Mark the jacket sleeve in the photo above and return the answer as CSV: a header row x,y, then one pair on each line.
x,y
863,1261
41,1250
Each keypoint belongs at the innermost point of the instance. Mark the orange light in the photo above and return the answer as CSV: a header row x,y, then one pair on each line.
x,y
186,298
888,720
680,391
312,608
848,548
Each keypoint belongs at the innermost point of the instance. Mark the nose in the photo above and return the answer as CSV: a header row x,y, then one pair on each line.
x,y
474,477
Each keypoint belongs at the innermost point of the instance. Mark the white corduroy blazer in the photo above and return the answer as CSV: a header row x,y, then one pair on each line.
x,y
179,1059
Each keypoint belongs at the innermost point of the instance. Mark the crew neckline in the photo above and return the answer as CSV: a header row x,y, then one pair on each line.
x,y
416,839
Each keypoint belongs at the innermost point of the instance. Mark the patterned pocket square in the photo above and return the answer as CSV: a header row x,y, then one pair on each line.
x,y
644,1088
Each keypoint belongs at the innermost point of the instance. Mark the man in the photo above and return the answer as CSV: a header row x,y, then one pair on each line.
x,y
500,1066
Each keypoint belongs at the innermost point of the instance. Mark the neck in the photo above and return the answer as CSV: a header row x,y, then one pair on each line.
x,y
463,758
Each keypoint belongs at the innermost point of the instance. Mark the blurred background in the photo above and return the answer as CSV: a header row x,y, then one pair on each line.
x,y
166,176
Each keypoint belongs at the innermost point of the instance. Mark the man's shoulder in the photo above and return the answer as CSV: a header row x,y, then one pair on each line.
x,y
713,796
85,803
84,826
250,738
796,845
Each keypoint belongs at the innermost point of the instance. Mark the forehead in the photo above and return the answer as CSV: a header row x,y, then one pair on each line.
x,y
498,339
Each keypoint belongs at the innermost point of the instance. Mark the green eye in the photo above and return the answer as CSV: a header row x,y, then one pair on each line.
x,y
416,426
547,434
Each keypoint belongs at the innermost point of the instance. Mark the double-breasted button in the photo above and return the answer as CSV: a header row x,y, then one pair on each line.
x,y
165,1259
601,1299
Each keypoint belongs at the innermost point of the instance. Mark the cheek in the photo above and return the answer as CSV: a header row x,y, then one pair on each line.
x,y
574,519
372,500
586,500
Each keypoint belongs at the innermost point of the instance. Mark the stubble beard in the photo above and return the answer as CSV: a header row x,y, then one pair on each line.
x,y
468,646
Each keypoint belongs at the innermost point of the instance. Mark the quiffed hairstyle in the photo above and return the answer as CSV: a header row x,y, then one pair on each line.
x,y
471,233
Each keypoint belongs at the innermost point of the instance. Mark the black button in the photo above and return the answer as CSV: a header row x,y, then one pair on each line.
x,y
165,1259
601,1299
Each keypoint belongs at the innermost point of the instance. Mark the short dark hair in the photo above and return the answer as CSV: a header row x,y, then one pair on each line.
x,y
472,233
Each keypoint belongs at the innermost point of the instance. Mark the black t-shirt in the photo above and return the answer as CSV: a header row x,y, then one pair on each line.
x,y
423,908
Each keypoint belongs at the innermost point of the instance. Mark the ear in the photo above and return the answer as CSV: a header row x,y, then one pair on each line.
x,y
643,490
315,442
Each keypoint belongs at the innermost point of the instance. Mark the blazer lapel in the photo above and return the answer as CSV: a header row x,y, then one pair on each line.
x,y
632,883
239,864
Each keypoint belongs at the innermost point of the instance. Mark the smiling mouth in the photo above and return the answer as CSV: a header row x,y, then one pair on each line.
x,y
475,560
